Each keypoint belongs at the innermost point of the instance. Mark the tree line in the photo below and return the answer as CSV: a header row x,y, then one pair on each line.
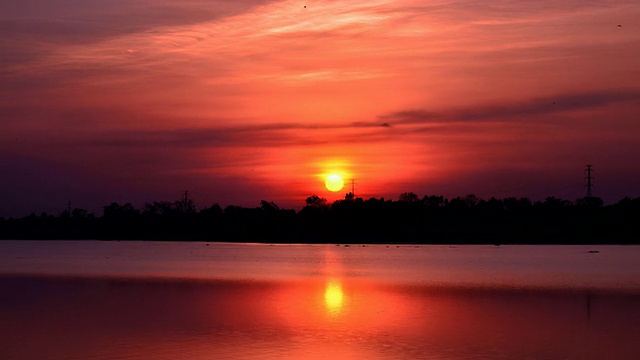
x,y
410,219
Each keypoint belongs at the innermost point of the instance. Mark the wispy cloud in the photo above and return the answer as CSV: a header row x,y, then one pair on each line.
x,y
532,109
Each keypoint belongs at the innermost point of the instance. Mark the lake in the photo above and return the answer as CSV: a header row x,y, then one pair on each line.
x,y
185,300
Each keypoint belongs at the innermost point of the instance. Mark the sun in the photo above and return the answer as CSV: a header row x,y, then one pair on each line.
x,y
334,182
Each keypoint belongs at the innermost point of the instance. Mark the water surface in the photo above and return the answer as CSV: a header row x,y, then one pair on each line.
x,y
126,300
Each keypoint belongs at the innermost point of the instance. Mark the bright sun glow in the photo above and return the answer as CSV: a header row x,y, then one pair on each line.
x,y
334,182
333,296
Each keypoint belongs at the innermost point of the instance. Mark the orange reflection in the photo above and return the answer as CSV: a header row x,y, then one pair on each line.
x,y
341,304
336,301
333,297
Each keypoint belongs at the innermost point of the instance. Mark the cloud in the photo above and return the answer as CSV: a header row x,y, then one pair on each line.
x,y
32,29
248,136
72,21
518,111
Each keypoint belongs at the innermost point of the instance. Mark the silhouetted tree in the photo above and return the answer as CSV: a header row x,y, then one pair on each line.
x,y
186,205
409,197
160,208
434,201
552,202
590,202
118,211
514,206
471,200
212,211
268,206
315,200
433,219
79,213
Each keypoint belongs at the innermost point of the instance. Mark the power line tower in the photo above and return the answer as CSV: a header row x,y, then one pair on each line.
x,y
589,179
351,195
186,203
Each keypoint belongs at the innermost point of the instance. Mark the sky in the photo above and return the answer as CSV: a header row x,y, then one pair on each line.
x,y
241,101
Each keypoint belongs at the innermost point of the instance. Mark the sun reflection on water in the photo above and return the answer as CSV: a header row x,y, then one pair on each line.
x,y
333,297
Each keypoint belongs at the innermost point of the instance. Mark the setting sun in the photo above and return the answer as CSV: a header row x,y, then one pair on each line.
x,y
334,182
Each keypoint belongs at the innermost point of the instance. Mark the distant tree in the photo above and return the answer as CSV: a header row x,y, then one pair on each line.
x,y
589,202
186,205
457,203
433,219
515,205
213,210
268,206
433,201
552,202
409,197
315,200
116,210
492,207
79,213
629,204
160,208
471,200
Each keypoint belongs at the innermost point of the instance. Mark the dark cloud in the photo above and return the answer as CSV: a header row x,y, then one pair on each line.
x,y
281,135
519,110
291,134
262,135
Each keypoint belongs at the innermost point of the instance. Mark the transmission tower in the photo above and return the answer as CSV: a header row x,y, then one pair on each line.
x,y
589,179
187,203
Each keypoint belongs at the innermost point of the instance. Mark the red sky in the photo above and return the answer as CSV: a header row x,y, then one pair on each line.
x,y
239,101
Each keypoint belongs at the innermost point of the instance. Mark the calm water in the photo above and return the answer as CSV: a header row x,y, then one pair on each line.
x,y
144,300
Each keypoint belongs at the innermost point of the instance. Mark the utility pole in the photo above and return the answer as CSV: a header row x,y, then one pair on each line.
x,y
589,179
353,187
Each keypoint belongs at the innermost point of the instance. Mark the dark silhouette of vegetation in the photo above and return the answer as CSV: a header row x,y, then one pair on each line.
x,y
431,219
